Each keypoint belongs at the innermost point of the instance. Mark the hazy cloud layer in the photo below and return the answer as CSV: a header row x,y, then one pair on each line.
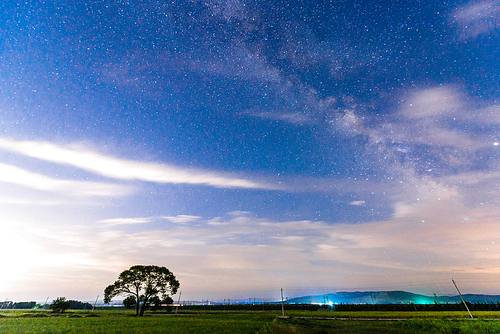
x,y
427,237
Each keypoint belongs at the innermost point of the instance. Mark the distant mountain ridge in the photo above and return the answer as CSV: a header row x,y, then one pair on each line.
x,y
390,297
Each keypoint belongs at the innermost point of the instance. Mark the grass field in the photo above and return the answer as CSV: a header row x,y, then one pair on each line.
x,y
248,322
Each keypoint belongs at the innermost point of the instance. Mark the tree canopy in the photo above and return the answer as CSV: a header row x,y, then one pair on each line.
x,y
142,286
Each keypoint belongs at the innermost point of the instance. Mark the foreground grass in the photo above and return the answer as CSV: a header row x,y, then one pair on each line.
x,y
121,322
454,315
248,322
300,325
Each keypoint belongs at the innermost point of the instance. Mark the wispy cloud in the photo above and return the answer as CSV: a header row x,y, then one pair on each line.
x,y
179,219
477,17
15,175
227,9
125,221
433,102
294,118
239,63
182,219
124,169
434,117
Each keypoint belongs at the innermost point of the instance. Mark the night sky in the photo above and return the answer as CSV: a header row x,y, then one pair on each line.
x,y
248,146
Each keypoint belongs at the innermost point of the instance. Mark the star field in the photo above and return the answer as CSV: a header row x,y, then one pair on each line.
x,y
291,144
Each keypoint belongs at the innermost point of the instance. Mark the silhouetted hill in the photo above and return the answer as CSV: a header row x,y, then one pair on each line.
x,y
389,297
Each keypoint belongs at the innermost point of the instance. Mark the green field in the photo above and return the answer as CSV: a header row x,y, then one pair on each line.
x,y
248,322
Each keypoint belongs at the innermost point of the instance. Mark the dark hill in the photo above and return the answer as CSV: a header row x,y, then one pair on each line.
x,y
389,297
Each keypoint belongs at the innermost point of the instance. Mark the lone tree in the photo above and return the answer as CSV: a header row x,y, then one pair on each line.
x,y
142,286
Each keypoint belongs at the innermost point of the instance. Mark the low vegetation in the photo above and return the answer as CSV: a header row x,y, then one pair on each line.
x,y
112,321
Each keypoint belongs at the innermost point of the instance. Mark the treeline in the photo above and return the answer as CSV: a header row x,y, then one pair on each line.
x,y
418,307
78,305
73,305
251,307
18,305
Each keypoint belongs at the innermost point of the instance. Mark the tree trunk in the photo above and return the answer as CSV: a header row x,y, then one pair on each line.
x,y
137,303
144,305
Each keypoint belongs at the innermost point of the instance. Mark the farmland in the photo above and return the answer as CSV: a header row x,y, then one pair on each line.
x,y
110,321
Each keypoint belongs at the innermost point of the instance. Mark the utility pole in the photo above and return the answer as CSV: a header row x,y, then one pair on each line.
x,y
462,298
282,304
178,302
436,299
93,308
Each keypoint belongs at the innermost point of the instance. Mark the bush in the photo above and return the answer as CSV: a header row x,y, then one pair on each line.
x,y
60,304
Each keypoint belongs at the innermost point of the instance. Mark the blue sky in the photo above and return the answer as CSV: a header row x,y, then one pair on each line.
x,y
249,146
